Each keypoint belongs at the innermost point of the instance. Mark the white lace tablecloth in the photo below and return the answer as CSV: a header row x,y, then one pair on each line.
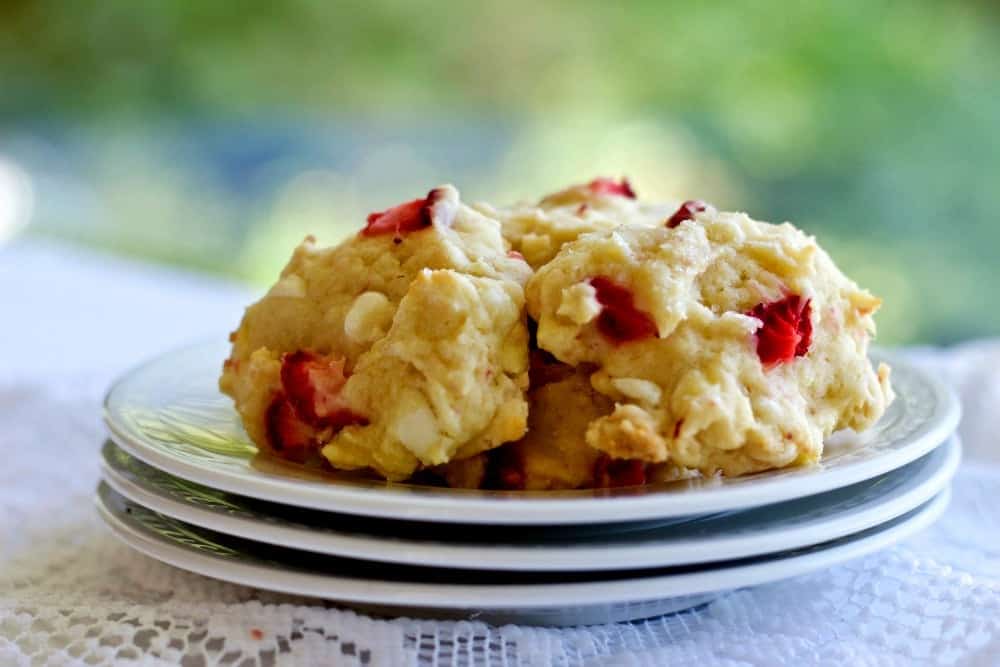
x,y
70,594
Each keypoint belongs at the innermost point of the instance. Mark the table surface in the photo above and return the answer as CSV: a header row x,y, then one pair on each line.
x,y
71,594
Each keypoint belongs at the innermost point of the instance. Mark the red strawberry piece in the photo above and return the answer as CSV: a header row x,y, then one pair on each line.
x,y
511,478
408,217
620,321
505,470
513,254
686,211
786,331
608,186
289,437
313,384
609,472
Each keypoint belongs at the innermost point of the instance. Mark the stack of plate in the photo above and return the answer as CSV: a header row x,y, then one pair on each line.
x,y
183,485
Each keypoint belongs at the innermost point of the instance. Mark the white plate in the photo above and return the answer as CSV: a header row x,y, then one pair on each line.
x,y
790,525
170,414
548,598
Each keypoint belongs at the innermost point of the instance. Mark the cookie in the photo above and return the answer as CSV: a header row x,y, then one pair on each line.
x,y
538,230
554,454
726,344
361,351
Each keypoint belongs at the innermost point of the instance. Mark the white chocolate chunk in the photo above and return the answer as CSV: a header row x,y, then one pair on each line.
x,y
368,318
417,431
579,303
643,391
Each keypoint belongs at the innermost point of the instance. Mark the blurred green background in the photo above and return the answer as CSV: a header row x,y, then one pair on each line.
x,y
216,135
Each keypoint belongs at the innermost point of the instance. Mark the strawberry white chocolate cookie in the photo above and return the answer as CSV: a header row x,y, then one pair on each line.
x,y
402,347
554,453
726,344
538,231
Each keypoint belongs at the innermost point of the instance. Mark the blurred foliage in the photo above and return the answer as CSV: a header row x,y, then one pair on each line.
x,y
217,134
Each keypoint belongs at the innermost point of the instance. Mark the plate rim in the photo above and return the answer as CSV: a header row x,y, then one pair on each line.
x,y
525,596
440,505
508,557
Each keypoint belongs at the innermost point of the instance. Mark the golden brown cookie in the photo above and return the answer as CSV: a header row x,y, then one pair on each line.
x,y
726,344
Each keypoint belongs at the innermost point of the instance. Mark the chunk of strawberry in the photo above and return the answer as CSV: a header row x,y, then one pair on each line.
x,y
608,186
504,470
407,217
512,478
686,211
514,254
609,472
313,385
786,329
289,437
620,321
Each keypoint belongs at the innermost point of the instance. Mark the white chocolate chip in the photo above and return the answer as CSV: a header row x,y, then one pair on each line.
x,y
291,286
643,391
417,429
579,303
444,205
368,318
737,324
